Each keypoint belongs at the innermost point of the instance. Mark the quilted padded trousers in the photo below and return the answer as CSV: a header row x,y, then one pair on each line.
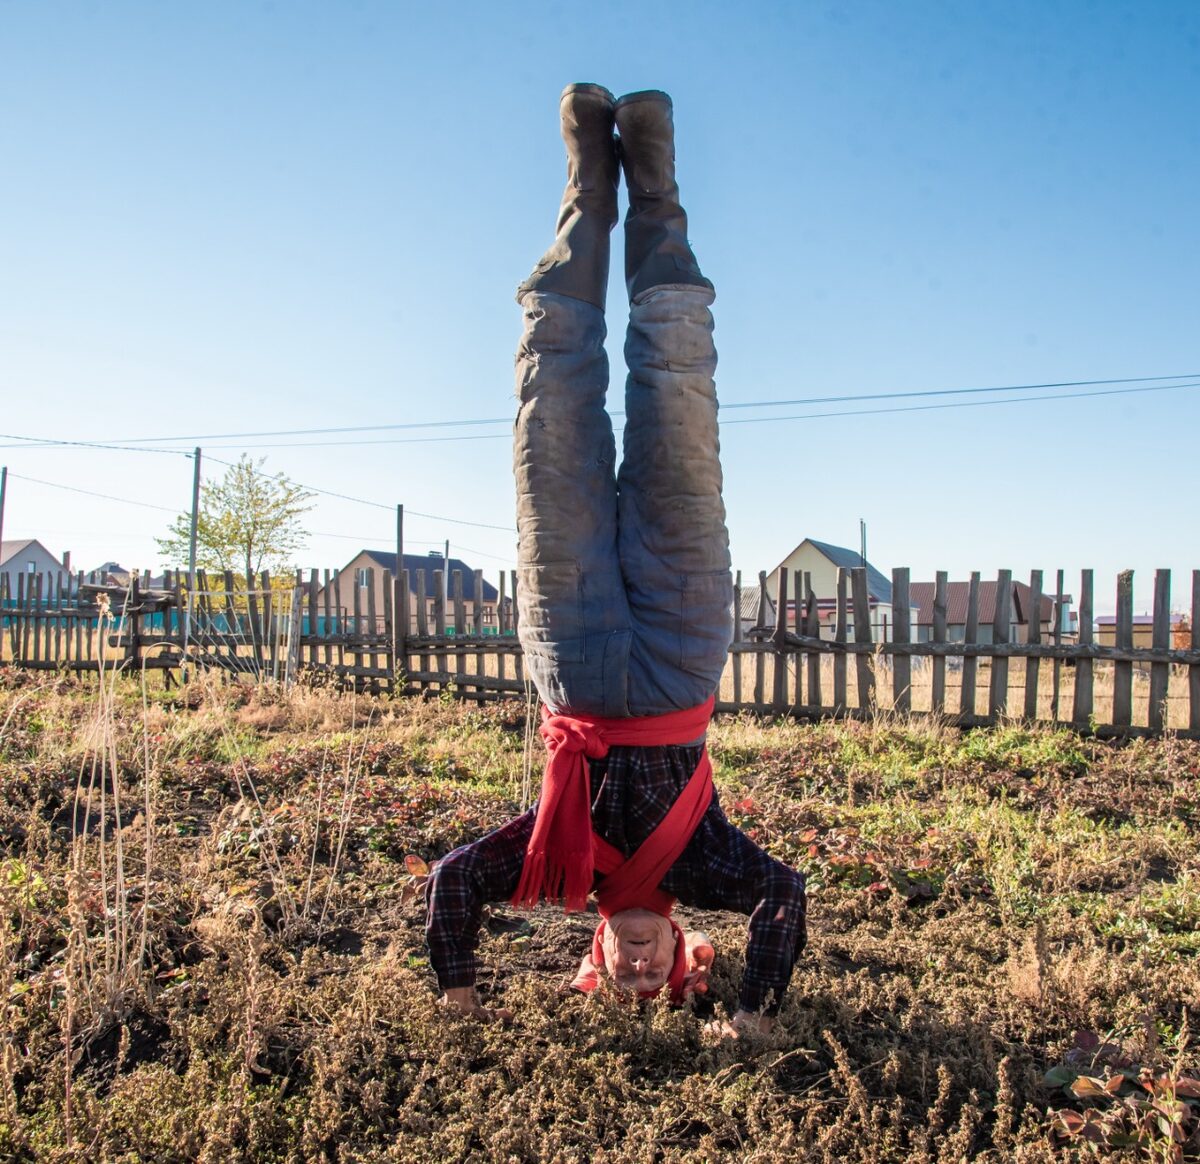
x,y
624,589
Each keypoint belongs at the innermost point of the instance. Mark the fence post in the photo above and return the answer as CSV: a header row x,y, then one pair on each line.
x,y
735,656
1033,635
1160,673
901,636
293,648
970,667
1081,712
133,617
778,641
862,635
1123,670
812,627
1058,621
1194,670
840,636
1001,636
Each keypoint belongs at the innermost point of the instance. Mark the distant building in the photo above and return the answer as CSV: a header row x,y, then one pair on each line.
x,y
28,557
751,609
1179,636
111,574
1020,608
366,572
822,560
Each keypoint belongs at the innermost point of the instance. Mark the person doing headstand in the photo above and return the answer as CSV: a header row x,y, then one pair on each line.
x,y
624,601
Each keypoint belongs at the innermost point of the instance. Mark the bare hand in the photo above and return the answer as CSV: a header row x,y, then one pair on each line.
x,y
700,957
465,1001
745,1024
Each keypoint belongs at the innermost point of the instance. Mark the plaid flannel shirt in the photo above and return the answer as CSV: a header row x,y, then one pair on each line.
x,y
632,789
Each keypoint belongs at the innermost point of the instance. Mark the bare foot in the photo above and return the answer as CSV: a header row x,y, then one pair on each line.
x,y
465,1001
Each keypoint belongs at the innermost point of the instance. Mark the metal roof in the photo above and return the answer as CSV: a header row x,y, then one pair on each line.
x,y
920,594
430,562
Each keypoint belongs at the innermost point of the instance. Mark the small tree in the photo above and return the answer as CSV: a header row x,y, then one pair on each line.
x,y
248,521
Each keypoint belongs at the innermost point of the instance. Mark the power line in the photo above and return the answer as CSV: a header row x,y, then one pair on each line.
x,y
960,404
27,442
773,419
487,436
957,392
91,493
844,398
374,504
1151,384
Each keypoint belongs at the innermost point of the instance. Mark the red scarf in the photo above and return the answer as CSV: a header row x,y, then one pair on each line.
x,y
564,854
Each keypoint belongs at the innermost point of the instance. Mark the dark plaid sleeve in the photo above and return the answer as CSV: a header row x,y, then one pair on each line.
x,y
722,868
461,882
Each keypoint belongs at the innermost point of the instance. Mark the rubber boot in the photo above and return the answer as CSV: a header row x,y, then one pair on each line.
x,y
657,252
576,265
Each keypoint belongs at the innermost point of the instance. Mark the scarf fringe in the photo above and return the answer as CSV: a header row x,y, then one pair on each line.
x,y
566,878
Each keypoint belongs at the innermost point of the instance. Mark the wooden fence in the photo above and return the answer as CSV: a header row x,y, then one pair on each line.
x,y
289,627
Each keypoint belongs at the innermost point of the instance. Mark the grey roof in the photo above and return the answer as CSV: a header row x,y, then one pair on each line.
x,y
8,549
429,563
749,608
879,587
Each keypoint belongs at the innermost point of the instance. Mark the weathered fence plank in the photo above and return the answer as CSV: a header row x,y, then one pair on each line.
x,y
812,624
1194,670
840,636
1160,673
970,667
779,699
735,658
862,634
1058,631
1033,622
901,633
1122,712
1001,633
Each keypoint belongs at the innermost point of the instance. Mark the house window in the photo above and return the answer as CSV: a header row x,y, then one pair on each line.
x,y
31,567
361,576
489,616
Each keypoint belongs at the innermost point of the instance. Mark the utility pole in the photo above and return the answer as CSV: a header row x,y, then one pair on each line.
x,y
187,615
446,577
399,539
862,536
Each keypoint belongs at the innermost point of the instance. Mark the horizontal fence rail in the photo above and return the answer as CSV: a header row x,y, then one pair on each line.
x,y
428,634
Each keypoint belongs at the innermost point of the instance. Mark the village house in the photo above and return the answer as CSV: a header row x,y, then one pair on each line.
x,y
29,557
1021,608
367,572
822,560
1180,635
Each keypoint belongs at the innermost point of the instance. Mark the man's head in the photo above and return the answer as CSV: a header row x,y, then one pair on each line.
x,y
644,951
639,950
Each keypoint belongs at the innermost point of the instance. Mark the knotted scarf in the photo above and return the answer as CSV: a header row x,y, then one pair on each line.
x,y
564,853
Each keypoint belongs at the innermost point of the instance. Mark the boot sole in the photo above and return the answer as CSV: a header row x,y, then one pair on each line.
x,y
655,95
587,89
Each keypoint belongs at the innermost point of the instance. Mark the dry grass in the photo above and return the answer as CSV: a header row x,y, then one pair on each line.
x,y
221,956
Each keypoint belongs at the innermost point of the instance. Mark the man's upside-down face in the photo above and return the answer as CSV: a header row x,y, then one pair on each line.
x,y
639,949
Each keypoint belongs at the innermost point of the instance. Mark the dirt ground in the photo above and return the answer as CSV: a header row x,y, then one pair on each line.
x,y
213,944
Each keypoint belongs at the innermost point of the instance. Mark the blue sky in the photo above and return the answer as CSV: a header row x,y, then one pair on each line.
x,y
227,218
